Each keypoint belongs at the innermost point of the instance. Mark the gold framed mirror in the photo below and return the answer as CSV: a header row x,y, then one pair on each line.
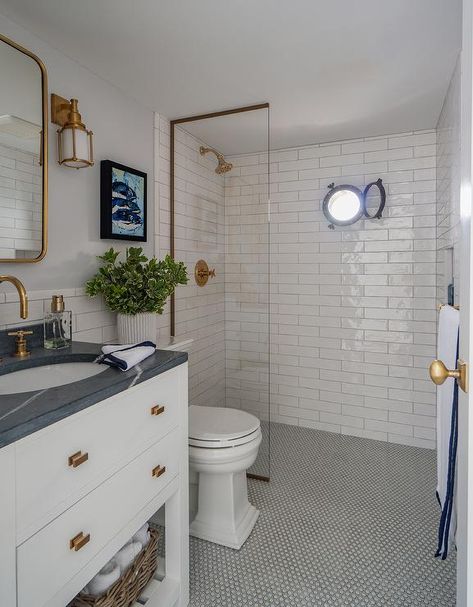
x,y
23,155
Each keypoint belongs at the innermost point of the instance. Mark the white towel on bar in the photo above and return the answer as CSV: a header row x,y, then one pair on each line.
x,y
449,321
125,357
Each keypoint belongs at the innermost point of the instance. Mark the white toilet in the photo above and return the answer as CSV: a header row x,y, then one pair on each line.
x,y
223,444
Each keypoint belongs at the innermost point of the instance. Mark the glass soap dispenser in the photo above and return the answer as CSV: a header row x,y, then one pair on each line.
x,y
57,325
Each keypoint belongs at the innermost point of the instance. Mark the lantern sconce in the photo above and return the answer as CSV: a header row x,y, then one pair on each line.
x,y
74,141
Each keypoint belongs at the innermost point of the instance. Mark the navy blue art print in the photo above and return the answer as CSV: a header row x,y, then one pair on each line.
x,y
123,202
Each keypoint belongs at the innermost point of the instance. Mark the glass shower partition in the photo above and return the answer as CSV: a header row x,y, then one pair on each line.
x,y
220,207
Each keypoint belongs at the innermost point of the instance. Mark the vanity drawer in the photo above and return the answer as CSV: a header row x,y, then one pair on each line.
x,y
46,562
60,464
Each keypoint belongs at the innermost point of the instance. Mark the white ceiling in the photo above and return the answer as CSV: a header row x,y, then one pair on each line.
x,y
331,69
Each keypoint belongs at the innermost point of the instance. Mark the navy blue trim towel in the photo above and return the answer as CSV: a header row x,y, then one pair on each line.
x,y
125,357
447,430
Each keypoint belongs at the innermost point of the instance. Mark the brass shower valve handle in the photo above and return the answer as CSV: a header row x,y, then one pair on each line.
x,y
20,341
202,273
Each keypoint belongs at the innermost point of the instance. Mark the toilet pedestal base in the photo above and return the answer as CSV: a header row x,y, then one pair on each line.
x,y
224,514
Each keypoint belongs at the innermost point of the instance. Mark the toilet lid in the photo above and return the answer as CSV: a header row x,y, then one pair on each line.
x,y
217,425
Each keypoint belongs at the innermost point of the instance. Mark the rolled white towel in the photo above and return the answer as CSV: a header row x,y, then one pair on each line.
x,y
105,578
127,554
142,535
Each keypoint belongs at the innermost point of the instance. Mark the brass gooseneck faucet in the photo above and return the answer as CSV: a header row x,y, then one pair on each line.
x,y
21,293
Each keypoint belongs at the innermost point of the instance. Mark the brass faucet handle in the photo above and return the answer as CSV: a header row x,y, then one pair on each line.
x,y
20,334
20,341
212,273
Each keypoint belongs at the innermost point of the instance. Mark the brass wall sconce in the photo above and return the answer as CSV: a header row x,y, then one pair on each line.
x,y
202,273
75,148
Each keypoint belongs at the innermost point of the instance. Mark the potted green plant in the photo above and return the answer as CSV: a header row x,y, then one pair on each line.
x,y
137,289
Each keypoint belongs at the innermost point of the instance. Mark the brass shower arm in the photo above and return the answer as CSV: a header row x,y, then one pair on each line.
x,y
223,165
204,151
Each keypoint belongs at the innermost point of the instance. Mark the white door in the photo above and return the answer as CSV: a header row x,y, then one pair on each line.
x,y
465,418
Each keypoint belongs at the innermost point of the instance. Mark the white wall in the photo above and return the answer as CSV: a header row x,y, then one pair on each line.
x,y
123,131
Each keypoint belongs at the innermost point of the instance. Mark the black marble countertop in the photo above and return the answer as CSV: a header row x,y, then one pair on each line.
x,y
24,413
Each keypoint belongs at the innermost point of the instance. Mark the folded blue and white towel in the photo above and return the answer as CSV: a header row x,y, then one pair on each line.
x,y
125,357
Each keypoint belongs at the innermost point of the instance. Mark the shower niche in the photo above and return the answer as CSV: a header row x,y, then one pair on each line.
x,y
219,199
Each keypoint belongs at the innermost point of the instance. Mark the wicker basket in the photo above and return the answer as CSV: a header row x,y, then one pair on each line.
x,y
128,588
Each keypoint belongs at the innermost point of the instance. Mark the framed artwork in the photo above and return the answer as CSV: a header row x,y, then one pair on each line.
x,y
122,202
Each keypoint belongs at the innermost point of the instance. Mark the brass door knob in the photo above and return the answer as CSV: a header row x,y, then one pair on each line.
x,y
79,541
439,373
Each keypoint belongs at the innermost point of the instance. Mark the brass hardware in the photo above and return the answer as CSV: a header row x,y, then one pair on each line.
x,y
43,153
20,341
76,459
66,114
440,306
158,471
157,409
439,373
57,303
202,273
223,166
60,108
21,293
79,541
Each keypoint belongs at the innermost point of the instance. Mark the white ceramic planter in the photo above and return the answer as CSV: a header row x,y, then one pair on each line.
x,y
137,328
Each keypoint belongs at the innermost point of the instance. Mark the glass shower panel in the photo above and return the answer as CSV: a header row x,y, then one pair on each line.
x,y
222,216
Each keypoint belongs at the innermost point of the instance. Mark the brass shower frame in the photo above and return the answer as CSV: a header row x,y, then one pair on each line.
x,y
174,123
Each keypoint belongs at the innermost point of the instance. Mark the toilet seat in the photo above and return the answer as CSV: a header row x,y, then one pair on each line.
x,y
221,427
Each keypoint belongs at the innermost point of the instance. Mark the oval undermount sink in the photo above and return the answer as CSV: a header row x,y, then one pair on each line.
x,y
48,376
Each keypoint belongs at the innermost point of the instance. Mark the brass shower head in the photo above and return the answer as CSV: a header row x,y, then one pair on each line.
x,y
223,166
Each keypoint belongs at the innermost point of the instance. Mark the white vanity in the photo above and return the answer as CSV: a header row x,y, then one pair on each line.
x,y
75,491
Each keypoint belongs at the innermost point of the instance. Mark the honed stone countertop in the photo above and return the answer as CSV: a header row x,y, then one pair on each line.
x,y
25,413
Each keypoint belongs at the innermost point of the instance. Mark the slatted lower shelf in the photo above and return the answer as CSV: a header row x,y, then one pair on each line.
x,y
159,593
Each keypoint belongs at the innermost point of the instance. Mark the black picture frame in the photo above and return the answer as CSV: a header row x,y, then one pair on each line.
x,y
127,221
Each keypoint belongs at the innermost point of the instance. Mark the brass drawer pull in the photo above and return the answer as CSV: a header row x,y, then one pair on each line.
x,y
76,459
158,471
79,541
157,409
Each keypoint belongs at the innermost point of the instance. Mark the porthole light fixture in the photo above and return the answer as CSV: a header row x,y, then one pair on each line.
x,y
345,204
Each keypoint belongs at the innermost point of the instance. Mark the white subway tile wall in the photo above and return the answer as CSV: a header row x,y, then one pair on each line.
x,y
448,192
353,319
91,321
20,203
247,274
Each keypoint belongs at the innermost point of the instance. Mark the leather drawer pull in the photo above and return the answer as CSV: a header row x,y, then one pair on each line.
x,y
157,409
158,471
79,541
76,459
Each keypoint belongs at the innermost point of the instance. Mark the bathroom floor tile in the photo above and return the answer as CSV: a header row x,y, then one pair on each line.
x,y
344,522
